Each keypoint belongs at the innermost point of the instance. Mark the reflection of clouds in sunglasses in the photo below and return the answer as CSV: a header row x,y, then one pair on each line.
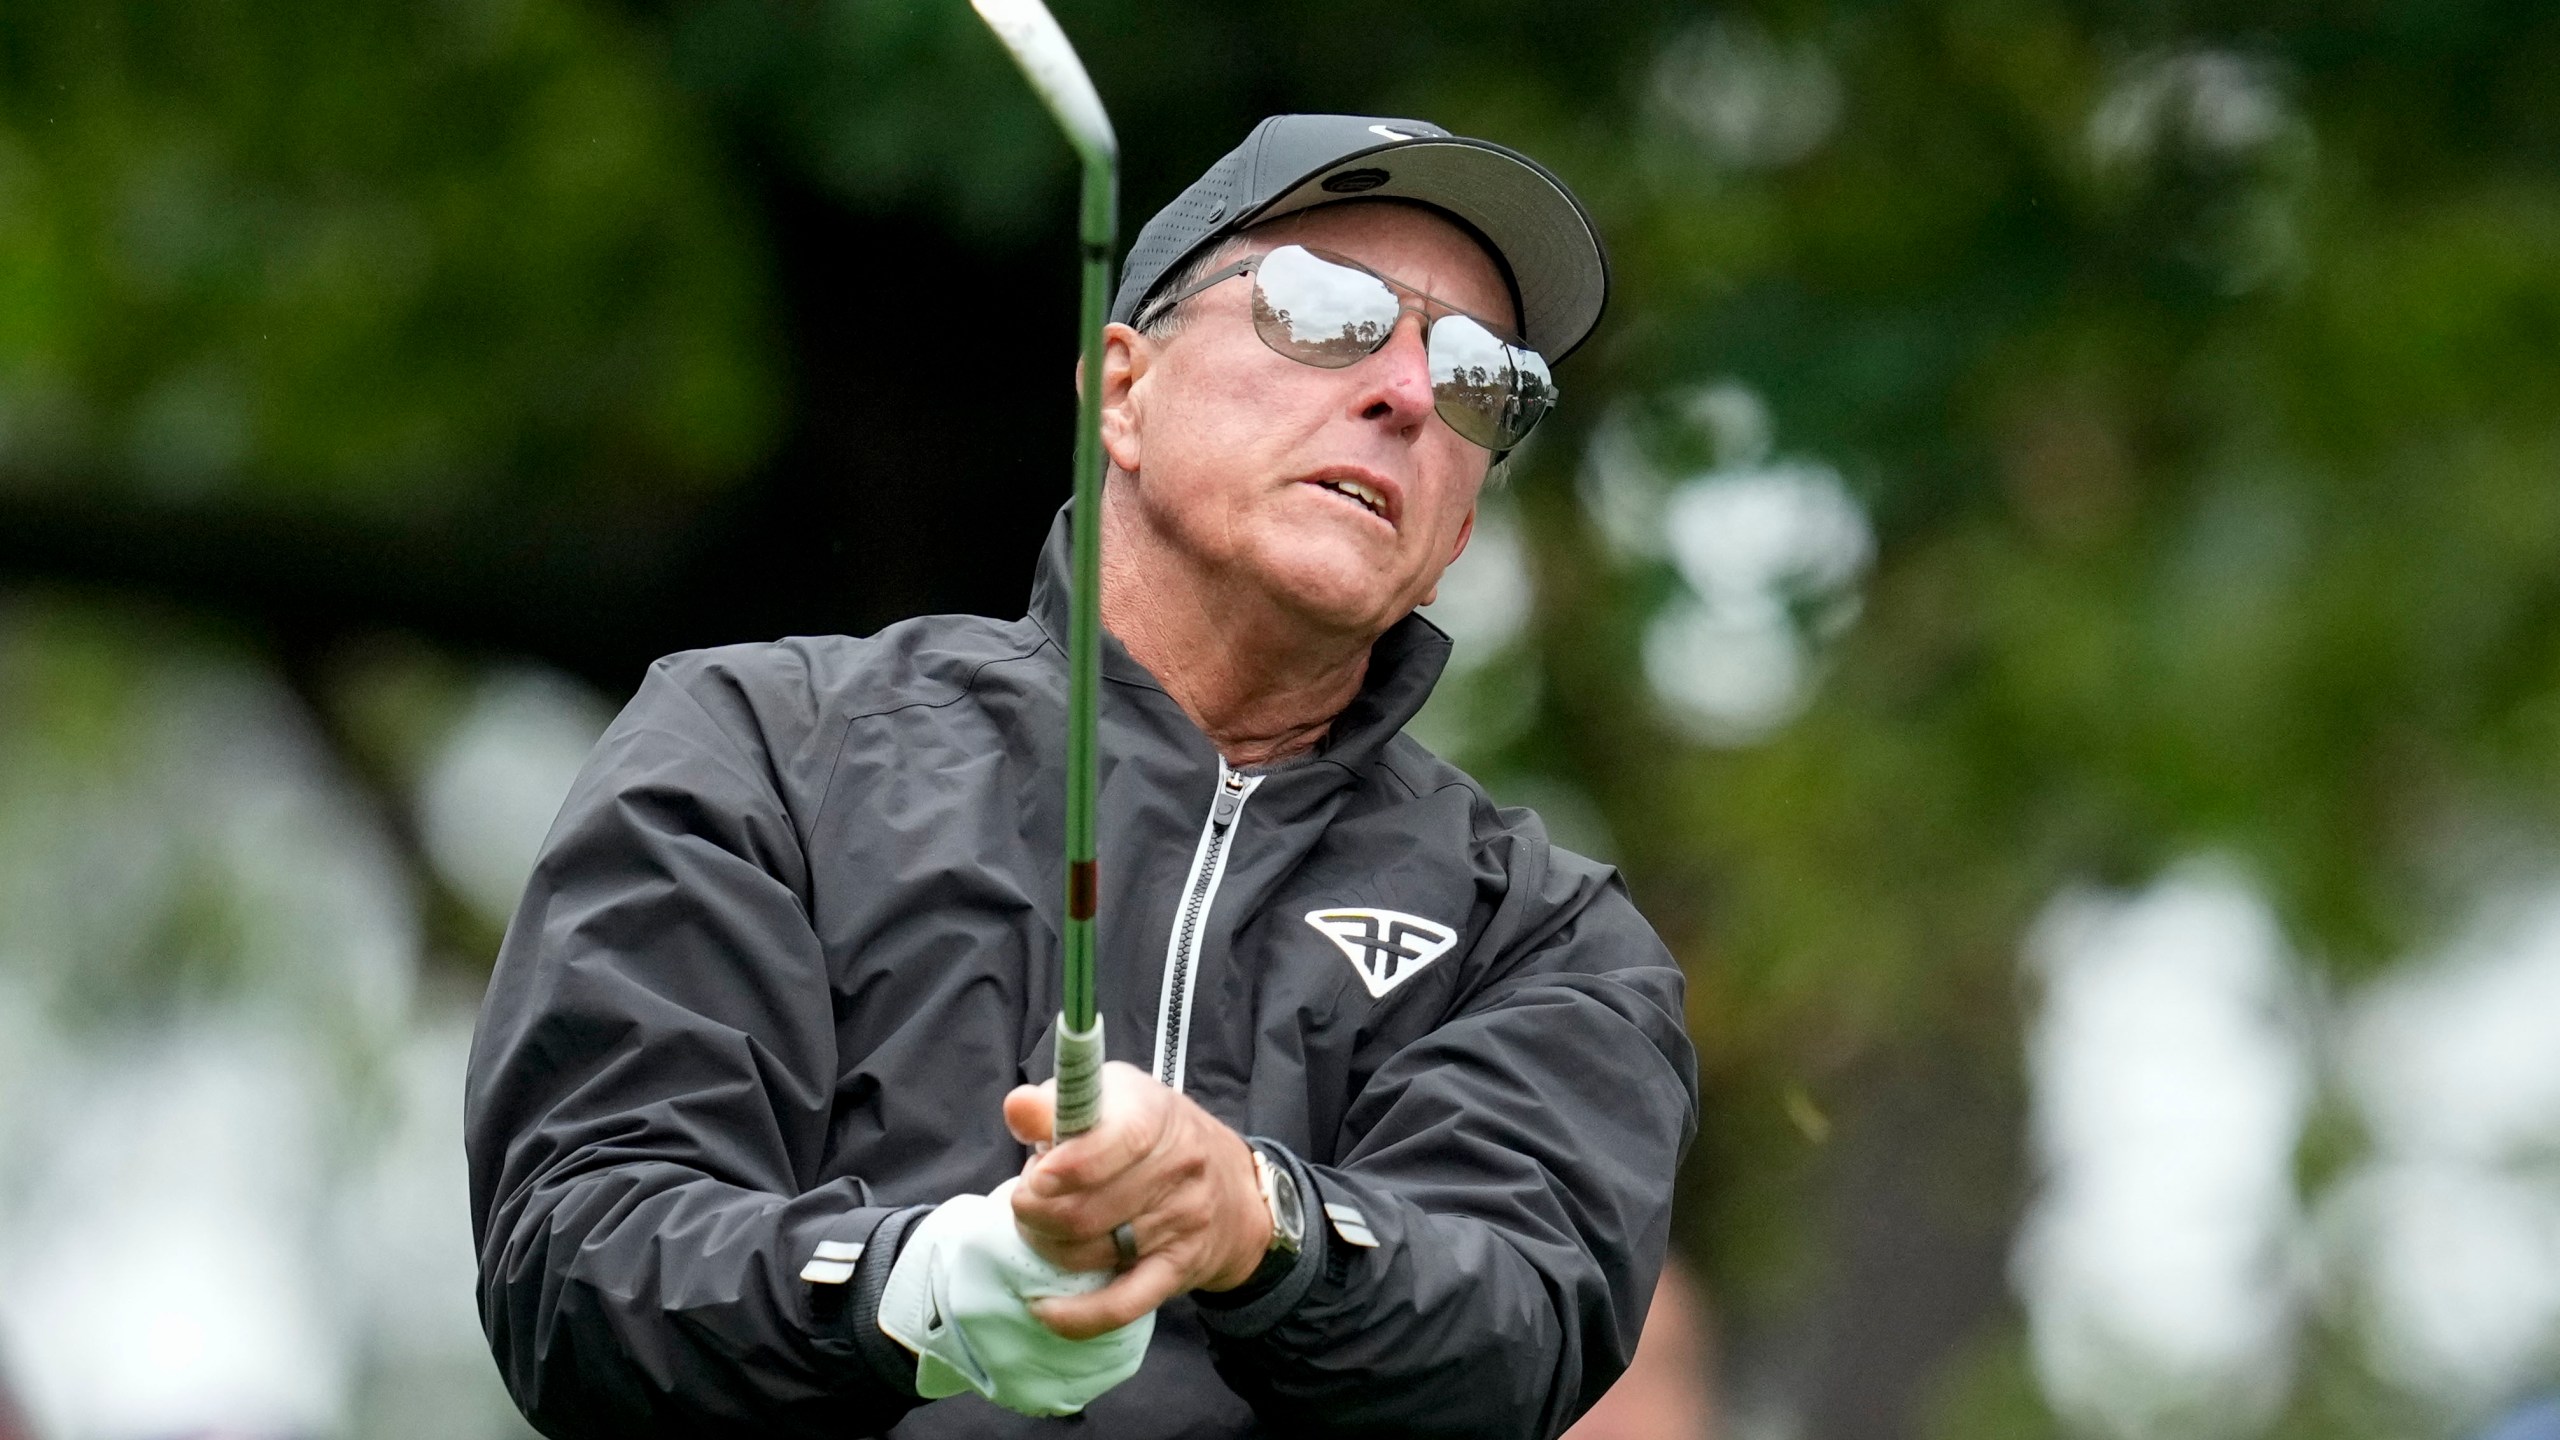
x,y
1319,312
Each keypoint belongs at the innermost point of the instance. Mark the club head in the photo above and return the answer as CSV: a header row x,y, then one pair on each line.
x,y
1029,31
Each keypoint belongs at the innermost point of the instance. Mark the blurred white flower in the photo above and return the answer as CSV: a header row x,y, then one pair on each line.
x,y
1486,596
1622,489
2458,1266
230,1171
1732,677
401,1236
1773,556
2169,1082
2452,1228
1754,539
160,1278
2458,1057
2223,119
191,844
1753,102
2211,100
490,795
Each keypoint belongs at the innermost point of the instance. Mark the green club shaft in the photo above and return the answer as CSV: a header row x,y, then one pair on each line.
x,y
1079,1025
1031,34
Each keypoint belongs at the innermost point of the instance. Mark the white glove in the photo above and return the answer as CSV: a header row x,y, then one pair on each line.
x,y
957,1298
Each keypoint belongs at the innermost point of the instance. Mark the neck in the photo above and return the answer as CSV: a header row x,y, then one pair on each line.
x,y
1260,682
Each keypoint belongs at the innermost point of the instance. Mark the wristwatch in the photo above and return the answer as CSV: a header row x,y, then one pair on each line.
x,y
1280,1195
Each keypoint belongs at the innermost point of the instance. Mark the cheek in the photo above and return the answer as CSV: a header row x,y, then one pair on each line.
x,y
1220,409
1455,475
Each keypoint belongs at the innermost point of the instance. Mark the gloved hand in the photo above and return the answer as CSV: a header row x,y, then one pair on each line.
x,y
957,1297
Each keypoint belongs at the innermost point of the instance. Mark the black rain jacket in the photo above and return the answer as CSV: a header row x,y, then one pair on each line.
x,y
795,934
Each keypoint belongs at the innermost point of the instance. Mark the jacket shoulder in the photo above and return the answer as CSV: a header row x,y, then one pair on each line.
x,y
930,659
1415,772
785,705
1539,887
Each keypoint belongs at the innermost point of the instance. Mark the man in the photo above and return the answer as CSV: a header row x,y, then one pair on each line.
x,y
762,1049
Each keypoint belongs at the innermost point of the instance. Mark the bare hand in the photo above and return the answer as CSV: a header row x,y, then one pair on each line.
x,y
1157,1162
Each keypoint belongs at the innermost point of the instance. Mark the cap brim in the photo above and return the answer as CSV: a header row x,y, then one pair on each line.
x,y
1544,234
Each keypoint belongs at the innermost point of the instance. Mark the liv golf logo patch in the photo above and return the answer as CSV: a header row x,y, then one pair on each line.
x,y
1385,946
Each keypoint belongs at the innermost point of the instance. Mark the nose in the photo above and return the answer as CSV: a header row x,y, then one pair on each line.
x,y
1396,379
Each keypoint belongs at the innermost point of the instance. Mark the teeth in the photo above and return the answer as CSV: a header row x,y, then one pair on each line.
x,y
1376,502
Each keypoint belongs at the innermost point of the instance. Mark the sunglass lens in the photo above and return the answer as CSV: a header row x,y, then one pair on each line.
x,y
1317,312
1489,392
1533,393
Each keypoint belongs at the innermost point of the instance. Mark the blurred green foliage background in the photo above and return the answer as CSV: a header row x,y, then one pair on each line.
x,y
2170,393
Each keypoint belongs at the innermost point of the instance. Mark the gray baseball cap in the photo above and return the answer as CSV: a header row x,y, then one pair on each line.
x,y
1532,222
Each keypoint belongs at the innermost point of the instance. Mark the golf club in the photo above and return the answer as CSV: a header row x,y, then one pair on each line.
x,y
1031,33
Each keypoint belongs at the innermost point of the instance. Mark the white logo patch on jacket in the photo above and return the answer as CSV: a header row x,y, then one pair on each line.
x,y
1385,946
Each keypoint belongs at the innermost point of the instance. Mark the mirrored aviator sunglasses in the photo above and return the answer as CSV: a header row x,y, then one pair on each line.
x,y
1330,312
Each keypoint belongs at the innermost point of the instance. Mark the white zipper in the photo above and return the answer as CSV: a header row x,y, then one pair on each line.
x,y
1182,950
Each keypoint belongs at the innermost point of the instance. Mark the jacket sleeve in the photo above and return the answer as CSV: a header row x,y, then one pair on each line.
x,y
649,1090
1513,1168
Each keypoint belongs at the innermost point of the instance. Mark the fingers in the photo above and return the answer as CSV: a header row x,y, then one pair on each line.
x,y
1134,1109
1030,1112
1072,1254
1074,1230
1149,1283
1157,1161
1076,1214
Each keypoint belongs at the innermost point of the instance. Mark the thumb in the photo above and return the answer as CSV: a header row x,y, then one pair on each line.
x,y
1030,1112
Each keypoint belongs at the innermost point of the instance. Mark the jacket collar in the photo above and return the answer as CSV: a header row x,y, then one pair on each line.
x,y
1404,663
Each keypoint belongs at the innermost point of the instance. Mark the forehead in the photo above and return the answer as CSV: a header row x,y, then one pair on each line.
x,y
1415,245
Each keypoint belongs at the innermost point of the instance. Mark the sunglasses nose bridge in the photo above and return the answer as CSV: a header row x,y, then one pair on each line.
x,y
1410,348
1421,328
1397,370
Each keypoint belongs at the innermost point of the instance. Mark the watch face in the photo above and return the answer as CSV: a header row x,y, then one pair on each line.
x,y
1288,1212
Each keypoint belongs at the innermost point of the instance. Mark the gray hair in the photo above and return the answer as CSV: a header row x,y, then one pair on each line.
x,y
1167,322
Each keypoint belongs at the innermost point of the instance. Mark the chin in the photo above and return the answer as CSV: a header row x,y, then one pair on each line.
x,y
1333,588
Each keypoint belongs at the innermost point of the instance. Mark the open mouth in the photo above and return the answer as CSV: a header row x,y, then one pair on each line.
x,y
1357,493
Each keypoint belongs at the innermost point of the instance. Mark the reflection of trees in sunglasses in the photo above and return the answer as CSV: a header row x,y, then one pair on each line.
x,y
1311,340
1481,412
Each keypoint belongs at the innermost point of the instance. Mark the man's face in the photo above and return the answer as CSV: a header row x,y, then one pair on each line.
x,y
1228,446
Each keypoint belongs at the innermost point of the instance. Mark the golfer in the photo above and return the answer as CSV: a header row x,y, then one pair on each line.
x,y
756,1116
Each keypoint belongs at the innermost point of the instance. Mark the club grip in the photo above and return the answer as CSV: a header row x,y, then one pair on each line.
x,y
1079,1079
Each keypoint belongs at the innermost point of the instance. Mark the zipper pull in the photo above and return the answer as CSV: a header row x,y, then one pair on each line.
x,y
1222,811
